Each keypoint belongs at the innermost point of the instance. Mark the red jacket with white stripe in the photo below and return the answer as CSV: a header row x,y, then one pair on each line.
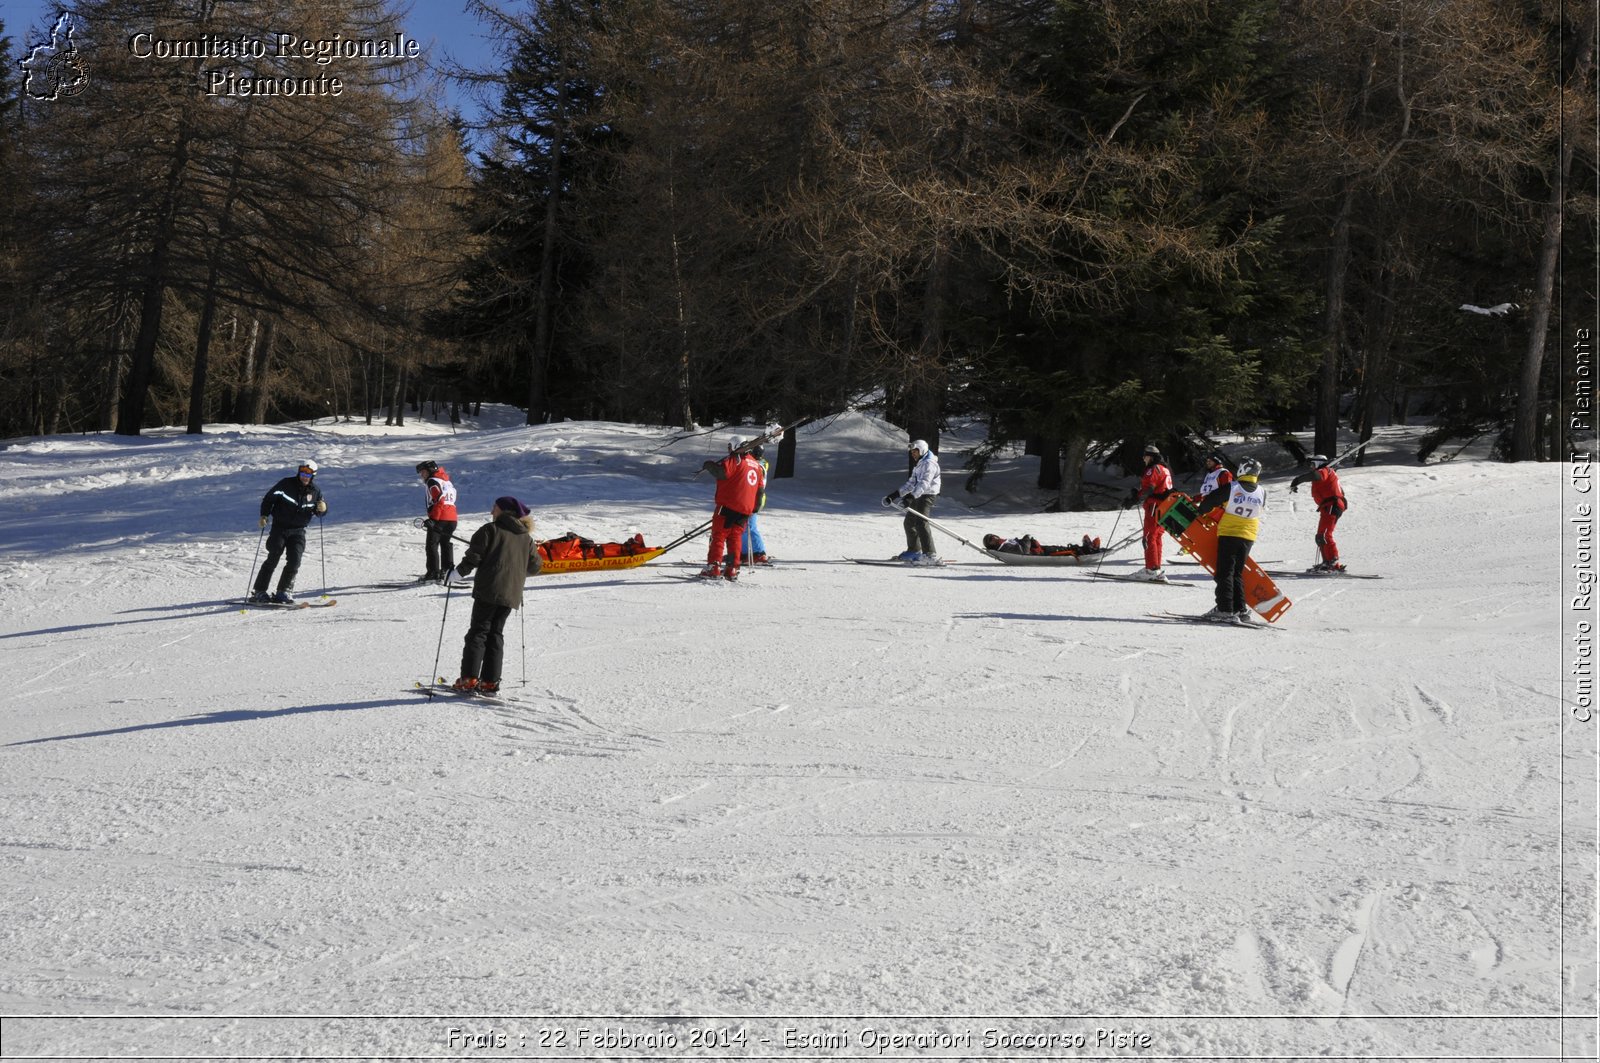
x,y
441,496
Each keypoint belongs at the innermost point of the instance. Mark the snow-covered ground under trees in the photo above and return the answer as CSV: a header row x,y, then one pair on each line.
x,y
830,810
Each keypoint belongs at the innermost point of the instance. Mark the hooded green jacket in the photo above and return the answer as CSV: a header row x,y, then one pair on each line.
x,y
504,554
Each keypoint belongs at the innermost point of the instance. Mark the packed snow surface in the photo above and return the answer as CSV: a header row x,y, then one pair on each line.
x,y
830,810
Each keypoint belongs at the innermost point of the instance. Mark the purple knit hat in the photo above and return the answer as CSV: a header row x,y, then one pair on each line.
x,y
507,504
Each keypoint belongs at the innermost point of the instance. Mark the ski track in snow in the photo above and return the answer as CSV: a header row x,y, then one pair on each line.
x,y
850,789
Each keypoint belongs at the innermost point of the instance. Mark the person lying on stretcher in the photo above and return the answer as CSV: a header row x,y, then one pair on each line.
x,y
1027,544
572,546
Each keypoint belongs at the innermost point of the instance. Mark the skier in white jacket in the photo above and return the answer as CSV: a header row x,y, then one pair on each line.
x,y
921,490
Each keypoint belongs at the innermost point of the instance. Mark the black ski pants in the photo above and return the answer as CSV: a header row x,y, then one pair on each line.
x,y
1231,554
289,544
484,653
919,533
441,548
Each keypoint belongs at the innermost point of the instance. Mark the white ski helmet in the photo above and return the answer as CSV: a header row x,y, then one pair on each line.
x,y
309,466
919,447
734,444
1319,460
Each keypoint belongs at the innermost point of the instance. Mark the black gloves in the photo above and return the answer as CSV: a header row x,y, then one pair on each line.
x,y
889,499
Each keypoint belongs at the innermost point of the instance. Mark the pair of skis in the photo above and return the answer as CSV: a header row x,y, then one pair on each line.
x,y
444,687
1131,578
1202,619
319,603
1312,573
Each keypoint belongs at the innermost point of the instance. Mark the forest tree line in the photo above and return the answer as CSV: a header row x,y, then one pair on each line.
x,y
1094,223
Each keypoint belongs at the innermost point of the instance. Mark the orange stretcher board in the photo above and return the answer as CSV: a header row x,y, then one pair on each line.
x,y
1198,535
599,564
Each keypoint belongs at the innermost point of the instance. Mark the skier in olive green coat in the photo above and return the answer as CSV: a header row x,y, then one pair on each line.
x,y
504,554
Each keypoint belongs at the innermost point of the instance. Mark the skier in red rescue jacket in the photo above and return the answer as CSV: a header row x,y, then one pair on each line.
x,y
1331,504
1154,485
740,482
440,522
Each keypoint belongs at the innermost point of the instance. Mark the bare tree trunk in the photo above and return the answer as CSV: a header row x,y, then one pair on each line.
x,y
112,392
1327,427
397,402
202,352
243,400
1376,356
783,468
538,357
1525,426
684,411
924,398
130,414
1049,451
1074,448
259,390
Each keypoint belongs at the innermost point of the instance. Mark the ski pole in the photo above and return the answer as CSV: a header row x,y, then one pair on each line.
x,y
418,523
251,582
322,551
947,531
685,537
1113,538
524,612
433,677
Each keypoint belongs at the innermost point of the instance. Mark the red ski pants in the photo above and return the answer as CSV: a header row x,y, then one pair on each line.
x,y
1152,537
1325,543
727,534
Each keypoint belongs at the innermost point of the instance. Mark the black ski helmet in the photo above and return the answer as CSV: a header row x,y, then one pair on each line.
x,y
1216,456
427,468
757,451
1249,469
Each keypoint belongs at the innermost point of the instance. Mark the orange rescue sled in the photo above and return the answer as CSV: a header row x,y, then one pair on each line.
x,y
1198,535
573,553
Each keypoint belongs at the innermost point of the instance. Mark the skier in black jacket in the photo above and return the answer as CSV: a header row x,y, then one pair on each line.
x,y
504,554
290,504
